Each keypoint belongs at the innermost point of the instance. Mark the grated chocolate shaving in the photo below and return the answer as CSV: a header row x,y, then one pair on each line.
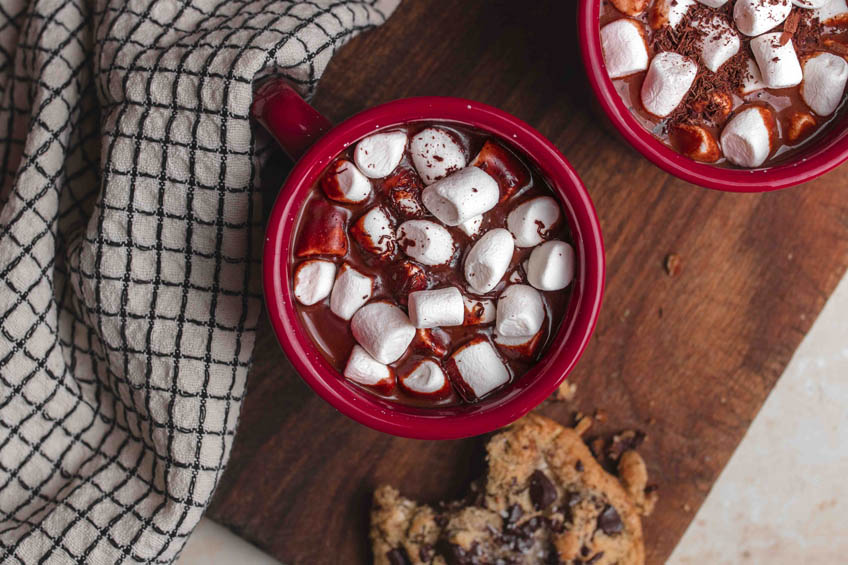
x,y
807,36
702,105
790,26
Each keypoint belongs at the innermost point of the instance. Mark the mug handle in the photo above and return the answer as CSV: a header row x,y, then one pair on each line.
x,y
289,118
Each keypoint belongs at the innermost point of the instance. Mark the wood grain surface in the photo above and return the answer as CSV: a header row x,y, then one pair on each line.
x,y
689,359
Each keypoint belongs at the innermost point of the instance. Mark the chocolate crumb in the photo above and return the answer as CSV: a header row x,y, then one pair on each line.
x,y
791,24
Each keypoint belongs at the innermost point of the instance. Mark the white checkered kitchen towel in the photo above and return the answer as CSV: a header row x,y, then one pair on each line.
x,y
130,231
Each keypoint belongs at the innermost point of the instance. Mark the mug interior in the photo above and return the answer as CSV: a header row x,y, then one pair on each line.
x,y
819,155
520,396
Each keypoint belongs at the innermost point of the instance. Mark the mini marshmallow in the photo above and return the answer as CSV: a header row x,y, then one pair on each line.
x,y
810,4
478,311
520,311
694,141
623,45
436,153
435,308
345,183
324,230
472,227
428,342
677,11
720,43
375,232
425,378
523,346
669,78
777,61
798,126
461,196
551,266
425,241
406,203
832,13
313,281
503,166
363,369
377,155
351,290
630,7
406,277
713,3
825,75
476,369
488,260
746,139
383,330
669,12
753,80
532,220
755,17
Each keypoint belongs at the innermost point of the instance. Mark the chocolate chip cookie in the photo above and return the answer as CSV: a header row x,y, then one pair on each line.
x,y
545,500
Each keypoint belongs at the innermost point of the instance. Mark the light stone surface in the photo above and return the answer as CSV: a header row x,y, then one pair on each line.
x,y
783,497
211,544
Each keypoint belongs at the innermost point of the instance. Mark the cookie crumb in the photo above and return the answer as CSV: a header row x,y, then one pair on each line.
x,y
634,476
583,424
565,392
673,264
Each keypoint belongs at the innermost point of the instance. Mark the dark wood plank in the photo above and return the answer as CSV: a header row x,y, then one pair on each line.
x,y
689,359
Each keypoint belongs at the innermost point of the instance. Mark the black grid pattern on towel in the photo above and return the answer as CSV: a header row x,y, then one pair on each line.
x,y
130,233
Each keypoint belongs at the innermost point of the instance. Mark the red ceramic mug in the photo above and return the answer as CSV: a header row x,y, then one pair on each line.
x,y
818,157
311,140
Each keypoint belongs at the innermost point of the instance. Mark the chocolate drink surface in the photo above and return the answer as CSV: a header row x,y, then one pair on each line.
x,y
402,255
735,83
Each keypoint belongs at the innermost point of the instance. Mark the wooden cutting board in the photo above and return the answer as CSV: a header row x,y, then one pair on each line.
x,y
688,359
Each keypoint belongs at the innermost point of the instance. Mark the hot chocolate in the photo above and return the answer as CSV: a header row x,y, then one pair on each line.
x,y
432,264
741,83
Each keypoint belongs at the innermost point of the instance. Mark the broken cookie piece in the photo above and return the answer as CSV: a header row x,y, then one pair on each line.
x,y
544,500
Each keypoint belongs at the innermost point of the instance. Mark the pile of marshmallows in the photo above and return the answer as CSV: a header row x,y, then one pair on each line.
x,y
748,138
455,194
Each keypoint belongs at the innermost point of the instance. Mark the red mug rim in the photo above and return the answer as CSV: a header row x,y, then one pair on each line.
x,y
455,421
821,155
